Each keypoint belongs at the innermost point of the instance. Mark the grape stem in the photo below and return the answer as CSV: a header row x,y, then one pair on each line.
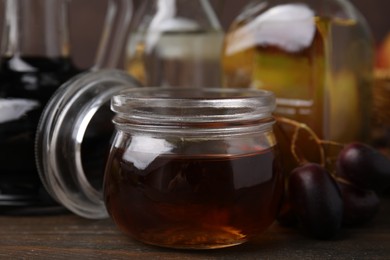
x,y
294,139
332,143
294,148
342,180
298,126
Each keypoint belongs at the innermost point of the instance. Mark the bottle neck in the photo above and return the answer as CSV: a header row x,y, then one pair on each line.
x,y
199,11
36,28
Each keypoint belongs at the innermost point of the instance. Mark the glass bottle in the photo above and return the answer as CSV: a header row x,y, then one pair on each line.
x,y
35,60
175,43
317,57
381,98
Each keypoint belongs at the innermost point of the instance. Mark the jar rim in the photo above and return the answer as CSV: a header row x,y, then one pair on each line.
x,y
160,105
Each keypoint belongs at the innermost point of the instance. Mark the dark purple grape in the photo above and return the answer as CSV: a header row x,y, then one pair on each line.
x,y
360,206
316,200
364,166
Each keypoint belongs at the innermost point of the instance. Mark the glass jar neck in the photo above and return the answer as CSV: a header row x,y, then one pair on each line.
x,y
197,111
35,28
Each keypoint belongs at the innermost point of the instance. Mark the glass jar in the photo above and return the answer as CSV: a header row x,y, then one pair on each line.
x,y
186,168
193,168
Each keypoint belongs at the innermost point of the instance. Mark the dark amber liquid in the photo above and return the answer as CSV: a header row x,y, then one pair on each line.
x,y
194,201
35,80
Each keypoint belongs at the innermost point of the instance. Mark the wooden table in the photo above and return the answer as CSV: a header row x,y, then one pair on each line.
x,y
67,236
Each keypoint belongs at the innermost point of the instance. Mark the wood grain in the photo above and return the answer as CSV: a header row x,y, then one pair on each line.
x,y
67,236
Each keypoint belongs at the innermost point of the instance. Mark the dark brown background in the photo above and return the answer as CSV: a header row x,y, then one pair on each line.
x,y
88,16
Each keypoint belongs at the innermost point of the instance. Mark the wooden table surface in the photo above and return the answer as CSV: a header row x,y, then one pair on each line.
x,y
67,236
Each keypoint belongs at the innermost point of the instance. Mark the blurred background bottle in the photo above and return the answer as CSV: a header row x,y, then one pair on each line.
x,y
381,97
317,56
35,60
175,43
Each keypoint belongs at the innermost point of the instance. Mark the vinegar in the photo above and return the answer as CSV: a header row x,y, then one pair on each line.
x,y
207,201
323,83
26,84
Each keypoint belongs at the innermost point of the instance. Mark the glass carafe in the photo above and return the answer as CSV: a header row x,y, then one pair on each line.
x,y
175,43
317,57
35,60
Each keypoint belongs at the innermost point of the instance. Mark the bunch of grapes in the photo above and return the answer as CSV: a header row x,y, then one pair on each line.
x,y
322,201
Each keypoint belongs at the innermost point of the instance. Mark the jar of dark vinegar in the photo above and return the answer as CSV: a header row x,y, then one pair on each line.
x,y
193,168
